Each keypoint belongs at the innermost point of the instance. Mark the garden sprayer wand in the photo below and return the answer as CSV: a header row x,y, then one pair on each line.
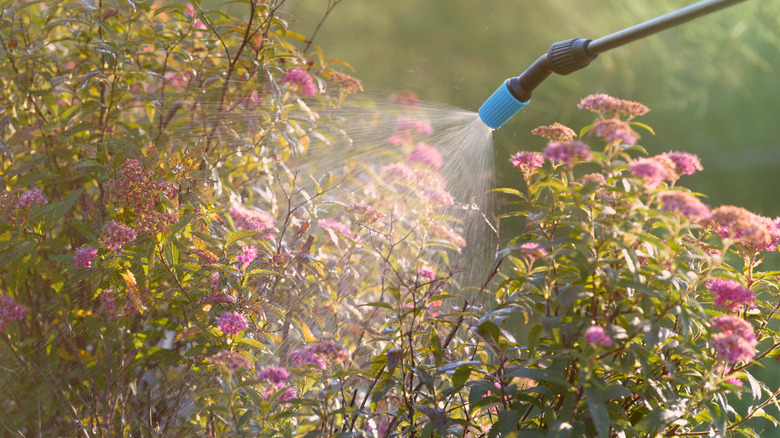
x,y
571,55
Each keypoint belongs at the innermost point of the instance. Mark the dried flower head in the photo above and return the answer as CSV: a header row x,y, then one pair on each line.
x,y
569,152
346,83
555,132
134,189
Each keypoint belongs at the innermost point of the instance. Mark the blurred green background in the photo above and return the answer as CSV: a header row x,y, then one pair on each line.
x,y
712,84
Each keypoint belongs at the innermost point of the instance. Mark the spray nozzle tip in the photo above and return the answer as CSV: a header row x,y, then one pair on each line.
x,y
500,107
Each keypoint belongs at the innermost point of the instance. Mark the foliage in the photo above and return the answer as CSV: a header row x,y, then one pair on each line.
x,y
169,268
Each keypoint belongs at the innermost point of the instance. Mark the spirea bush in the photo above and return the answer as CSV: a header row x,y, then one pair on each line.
x,y
168,266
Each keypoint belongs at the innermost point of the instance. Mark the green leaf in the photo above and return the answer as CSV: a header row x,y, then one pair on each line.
x,y
52,213
506,424
657,419
598,411
560,429
642,125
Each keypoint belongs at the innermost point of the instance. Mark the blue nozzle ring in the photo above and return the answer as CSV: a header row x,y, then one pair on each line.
x,y
500,107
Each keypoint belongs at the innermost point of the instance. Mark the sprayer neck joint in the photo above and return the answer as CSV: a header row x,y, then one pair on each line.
x,y
569,56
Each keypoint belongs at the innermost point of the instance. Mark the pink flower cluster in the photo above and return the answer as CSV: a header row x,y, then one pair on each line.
x,y
252,220
107,300
84,256
605,105
614,129
555,132
526,160
684,162
231,323
754,231
314,354
277,376
135,189
426,154
16,206
300,77
247,255
730,294
439,197
569,152
408,98
399,170
596,334
653,172
533,250
441,231
684,203
231,361
10,311
735,340
116,235
426,273
413,126
336,226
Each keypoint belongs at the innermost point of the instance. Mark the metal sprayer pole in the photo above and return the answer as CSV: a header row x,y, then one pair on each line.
x,y
657,24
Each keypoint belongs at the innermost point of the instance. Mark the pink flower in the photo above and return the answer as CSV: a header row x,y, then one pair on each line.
x,y
231,323
413,125
332,349
730,294
569,152
408,98
197,24
84,256
597,335
289,394
555,132
299,76
16,206
305,355
426,154
336,226
277,376
10,311
439,197
214,282
426,273
684,203
651,171
594,178
107,299
396,139
604,105
527,160
756,232
685,163
400,170
735,341
116,235
250,219
231,361
613,130
533,250
247,255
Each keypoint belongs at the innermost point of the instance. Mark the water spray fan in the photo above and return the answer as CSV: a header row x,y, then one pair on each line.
x,y
568,56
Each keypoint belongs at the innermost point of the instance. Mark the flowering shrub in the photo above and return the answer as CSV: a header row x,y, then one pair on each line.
x,y
167,268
